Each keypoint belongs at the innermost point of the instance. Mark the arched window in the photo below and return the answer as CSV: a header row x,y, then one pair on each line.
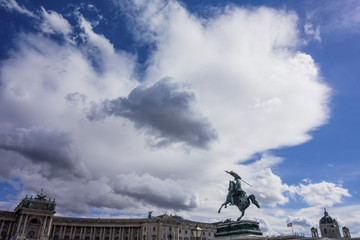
x,y
34,221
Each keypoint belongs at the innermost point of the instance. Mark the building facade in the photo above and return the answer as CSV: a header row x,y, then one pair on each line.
x,y
34,218
329,228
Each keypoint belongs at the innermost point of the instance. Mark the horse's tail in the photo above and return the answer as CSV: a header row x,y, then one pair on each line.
x,y
253,200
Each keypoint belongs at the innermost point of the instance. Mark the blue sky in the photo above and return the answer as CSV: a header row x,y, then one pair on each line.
x,y
116,108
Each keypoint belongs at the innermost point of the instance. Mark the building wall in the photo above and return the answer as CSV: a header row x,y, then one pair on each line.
x,y
37,224
330,230
8,224
156,228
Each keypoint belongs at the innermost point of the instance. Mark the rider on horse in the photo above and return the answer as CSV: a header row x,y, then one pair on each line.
x,y
235,190
236,196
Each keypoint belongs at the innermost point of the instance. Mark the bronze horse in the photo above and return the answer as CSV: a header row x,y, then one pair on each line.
x,y
241,201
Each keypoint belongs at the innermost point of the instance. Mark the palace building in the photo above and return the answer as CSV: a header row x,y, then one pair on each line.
x,y
34,219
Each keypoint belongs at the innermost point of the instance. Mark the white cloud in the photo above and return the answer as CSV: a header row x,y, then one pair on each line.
x,y
247,79
311,32
287,81
12,5
8,205
54,22
335,18
240,59
320,194
95,40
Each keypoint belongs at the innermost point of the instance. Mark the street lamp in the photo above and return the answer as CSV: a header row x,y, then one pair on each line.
x,y
197,232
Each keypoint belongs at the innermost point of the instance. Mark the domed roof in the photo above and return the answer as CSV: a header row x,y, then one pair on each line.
x,y
327,219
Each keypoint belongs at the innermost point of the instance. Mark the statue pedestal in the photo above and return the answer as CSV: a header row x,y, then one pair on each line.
x,y
233,230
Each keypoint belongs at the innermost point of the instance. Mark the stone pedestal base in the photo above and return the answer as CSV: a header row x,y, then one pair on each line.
x,y
244,229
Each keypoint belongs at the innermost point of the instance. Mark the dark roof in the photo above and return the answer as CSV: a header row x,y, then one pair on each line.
x,y
327,219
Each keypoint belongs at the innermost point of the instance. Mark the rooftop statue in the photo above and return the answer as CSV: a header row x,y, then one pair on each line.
x,y
41,196
237,197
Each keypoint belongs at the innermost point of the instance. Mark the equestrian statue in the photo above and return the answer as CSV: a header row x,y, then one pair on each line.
x,y
237,197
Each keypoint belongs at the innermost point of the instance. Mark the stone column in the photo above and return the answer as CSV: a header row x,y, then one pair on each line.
x,y
23,230
43,228
81,233
159,231
101,230
19,224
60,232
8,231
2,226
91,232
122,233
49,227
71,228
53,232
63,232
73,234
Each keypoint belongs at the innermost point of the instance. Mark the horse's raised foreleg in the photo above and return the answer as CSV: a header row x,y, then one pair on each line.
x,y
224,204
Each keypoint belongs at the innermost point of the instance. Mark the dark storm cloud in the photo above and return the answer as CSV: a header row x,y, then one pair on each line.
x,y
163,193
164,110
80,197
51,149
